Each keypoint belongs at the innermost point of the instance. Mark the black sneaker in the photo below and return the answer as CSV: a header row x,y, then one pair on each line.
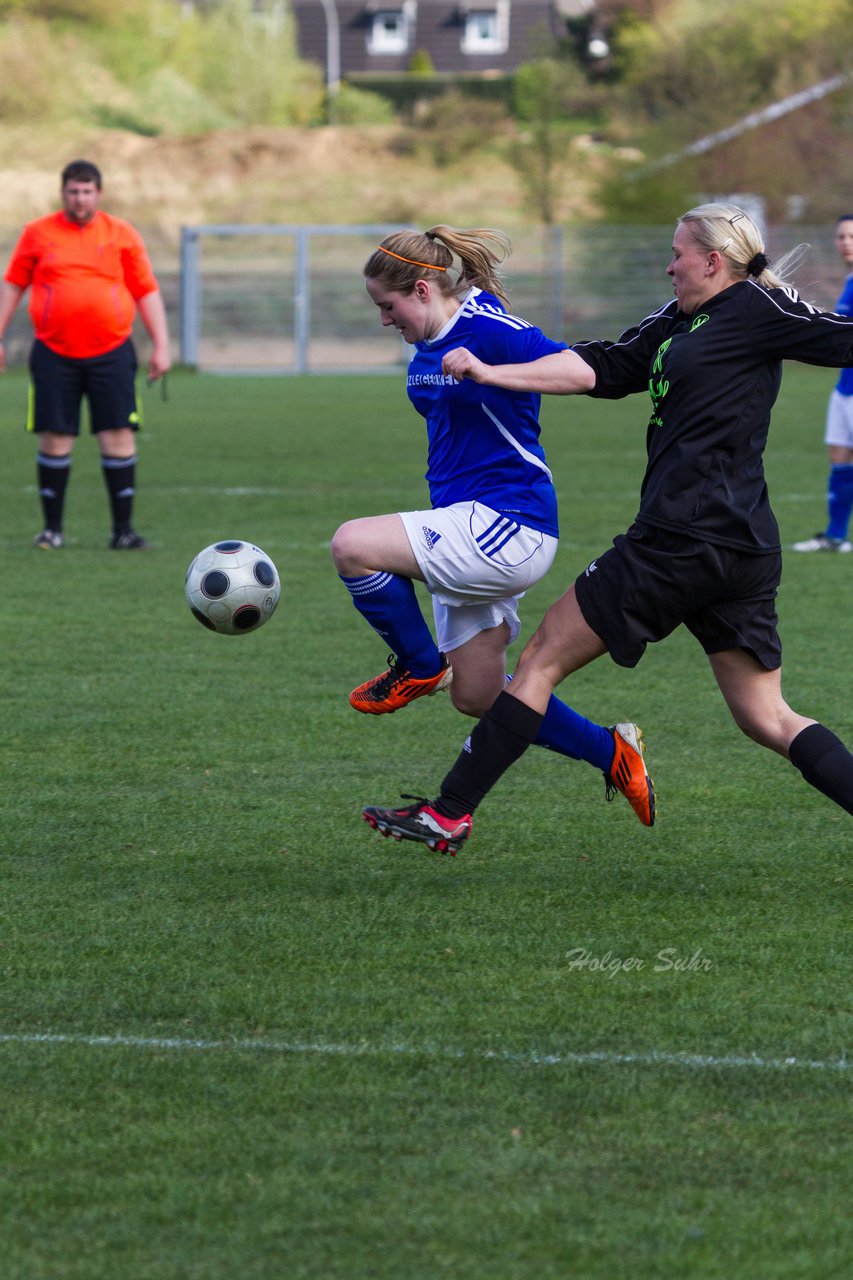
x,y
420,822
130,540
48,540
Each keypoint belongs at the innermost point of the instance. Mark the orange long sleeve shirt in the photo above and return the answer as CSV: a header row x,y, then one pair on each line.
x,y
85,281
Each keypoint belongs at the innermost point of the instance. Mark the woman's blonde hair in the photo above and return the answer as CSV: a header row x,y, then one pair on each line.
x,y
731,232
452,259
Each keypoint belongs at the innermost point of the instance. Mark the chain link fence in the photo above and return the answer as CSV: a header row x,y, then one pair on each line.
x,y
291,299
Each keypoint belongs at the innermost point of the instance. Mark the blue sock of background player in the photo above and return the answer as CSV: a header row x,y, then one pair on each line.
x,y
840,500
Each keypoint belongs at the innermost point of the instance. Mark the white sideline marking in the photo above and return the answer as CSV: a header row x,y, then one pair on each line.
x,y
322,1049
238,491
277,491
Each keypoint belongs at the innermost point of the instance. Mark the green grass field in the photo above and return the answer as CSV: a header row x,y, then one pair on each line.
x,y
241,1035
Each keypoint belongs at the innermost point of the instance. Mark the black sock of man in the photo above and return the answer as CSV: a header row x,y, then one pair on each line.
x,y
120,479
53,475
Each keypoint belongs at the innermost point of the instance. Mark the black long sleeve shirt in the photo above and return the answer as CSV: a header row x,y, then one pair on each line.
x,y
713,378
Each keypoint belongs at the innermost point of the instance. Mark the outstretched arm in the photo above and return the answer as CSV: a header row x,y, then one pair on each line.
x,y
563,373
153,315
10,296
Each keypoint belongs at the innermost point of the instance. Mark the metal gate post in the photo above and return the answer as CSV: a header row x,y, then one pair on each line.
x,y
190,297
301,300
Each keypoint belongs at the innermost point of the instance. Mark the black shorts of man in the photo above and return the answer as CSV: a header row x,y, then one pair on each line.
x,y
88,273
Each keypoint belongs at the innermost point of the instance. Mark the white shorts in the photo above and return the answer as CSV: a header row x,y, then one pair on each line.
x,y
476,564
839,420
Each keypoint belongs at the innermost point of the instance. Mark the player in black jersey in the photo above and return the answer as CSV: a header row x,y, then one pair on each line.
x,y
704,549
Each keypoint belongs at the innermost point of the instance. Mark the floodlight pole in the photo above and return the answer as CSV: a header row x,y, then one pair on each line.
x,y
333,52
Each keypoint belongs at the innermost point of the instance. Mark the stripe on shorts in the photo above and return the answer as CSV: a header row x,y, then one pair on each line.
x,y
497,535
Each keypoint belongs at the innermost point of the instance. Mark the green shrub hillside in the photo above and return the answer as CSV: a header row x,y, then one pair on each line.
x,y
695,69
148,66
568,135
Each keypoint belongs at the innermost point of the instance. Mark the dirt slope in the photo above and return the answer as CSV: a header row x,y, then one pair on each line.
x,y
337,175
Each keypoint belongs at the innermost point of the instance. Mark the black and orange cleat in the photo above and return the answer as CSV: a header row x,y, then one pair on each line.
x,y
420,822
628,773
396,688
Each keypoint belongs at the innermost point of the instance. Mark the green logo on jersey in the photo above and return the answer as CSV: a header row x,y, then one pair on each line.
x,y
662,350
698,321
658,386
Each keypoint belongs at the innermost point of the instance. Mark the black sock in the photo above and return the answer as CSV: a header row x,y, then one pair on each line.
x,y
825,763
53,476
505,732
120,478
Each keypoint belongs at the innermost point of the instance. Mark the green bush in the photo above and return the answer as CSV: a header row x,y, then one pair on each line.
x,y
421,63
248,69
91,12
631,196
170,104
146,66
34,82
546,92
359,106
707,68
455,125
408,92
709,64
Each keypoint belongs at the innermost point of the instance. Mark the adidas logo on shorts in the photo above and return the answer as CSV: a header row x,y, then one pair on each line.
x,y
430,537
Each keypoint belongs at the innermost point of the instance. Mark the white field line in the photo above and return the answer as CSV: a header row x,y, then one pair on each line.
x,y
277,491
603,1058
217,490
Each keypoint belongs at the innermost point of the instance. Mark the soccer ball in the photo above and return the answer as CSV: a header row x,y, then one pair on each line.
x,y
232,587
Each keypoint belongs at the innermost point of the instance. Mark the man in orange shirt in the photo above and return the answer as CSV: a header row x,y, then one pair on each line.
x,y
88,272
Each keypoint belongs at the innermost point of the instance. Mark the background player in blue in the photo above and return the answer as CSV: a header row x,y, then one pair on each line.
x,y
491,531
839,425
704,549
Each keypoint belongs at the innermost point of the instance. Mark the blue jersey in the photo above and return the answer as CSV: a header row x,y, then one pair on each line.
x,y
483,442
845,308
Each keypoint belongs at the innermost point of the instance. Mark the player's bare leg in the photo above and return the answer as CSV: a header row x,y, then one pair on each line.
x,y
375,560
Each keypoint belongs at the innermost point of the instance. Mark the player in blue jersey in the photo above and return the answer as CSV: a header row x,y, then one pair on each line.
x,y
704,549
491,530
839,425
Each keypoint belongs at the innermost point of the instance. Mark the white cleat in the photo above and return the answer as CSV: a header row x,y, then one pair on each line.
x,y
820,542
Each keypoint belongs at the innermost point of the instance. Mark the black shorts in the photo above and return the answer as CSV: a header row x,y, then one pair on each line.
x,y
60,383
652,580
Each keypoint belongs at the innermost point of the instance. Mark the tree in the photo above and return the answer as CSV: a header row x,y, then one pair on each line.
x,y
544,92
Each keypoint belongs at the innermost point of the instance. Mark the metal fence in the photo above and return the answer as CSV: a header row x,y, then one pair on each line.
x,y
291,299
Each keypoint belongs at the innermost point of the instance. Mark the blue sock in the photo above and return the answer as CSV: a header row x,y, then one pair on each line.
x,y
840,500
570,734
390,605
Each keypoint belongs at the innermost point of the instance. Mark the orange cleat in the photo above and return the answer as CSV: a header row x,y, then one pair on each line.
x,y
396,688
628,772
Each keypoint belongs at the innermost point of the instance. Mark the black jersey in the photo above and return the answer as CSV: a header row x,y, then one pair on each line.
x,y
713,378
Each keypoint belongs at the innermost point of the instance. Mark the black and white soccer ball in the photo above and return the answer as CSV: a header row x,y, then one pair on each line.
x,y
232,587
